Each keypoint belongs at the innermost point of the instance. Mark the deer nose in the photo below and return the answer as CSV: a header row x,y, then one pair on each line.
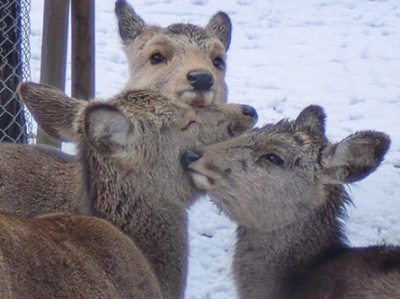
x,y
250,111
200,80
188,157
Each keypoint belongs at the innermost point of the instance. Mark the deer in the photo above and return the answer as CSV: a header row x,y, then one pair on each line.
x,y
45,180
283,185
181,61
62,255
128,164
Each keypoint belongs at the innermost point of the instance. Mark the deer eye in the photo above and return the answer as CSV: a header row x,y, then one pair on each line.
x,y
157,58
188,124
273,159
219,63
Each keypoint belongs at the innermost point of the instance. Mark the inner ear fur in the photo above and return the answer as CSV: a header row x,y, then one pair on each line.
x,y
108,130
356,156
130,24
220,25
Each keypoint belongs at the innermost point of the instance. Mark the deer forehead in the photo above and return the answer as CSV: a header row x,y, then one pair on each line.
x,y
176,42
283,142
150,105
192,34
286,141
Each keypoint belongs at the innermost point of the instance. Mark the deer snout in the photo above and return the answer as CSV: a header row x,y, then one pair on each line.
x,y
250,111
200,80
188,157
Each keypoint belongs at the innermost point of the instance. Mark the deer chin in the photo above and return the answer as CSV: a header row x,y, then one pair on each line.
x,y
201,181
197,98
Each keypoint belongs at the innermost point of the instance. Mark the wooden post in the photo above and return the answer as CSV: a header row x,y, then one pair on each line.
x,y
54,51
83,56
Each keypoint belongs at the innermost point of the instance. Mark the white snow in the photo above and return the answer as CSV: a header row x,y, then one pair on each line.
x,y
284,55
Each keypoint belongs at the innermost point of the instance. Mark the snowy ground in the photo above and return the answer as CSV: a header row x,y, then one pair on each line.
x,y
285,55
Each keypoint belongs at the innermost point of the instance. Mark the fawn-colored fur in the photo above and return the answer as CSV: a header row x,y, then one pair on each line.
x,y
283,185
66,256
182,61
31,196
127,162
39,179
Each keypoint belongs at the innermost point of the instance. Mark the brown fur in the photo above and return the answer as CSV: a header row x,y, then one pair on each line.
x,y
283,185
31,195
37,180
182,61
65,256
128,164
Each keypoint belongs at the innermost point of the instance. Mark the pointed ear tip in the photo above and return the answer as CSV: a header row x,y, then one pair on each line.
x,y
315,110
385,141
121,6
223,15
120,3
25,87
382,139
225,18
22,87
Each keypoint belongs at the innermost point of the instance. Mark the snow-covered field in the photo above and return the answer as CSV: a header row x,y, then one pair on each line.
x,y
285,55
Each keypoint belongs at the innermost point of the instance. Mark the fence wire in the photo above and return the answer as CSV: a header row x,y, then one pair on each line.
x,y
15,124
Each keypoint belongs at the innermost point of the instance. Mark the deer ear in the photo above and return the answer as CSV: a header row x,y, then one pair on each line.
x,y
130,24
220,25
108,130
312,121
356,156
54,111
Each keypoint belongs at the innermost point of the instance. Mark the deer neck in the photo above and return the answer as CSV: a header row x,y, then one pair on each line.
x,y
156,224
266,263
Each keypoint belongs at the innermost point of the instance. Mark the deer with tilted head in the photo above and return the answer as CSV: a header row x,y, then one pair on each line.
x,y
127,161
71,256
182,61
283,185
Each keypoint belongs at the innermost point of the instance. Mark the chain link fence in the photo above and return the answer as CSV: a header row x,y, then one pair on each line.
x,y
15,124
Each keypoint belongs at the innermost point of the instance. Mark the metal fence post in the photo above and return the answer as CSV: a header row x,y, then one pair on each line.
x,y
14,56
13,125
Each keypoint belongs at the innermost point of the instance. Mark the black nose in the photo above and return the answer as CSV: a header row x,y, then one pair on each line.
x,y
189,157
250,111
200,80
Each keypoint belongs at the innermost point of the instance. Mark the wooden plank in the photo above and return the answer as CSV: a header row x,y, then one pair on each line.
x,y
54,51
83,45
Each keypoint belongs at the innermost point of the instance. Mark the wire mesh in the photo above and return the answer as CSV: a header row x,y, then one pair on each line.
x,y
15,124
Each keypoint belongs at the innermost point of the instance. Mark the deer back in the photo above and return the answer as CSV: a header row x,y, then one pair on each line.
x,y
36,180
65,256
